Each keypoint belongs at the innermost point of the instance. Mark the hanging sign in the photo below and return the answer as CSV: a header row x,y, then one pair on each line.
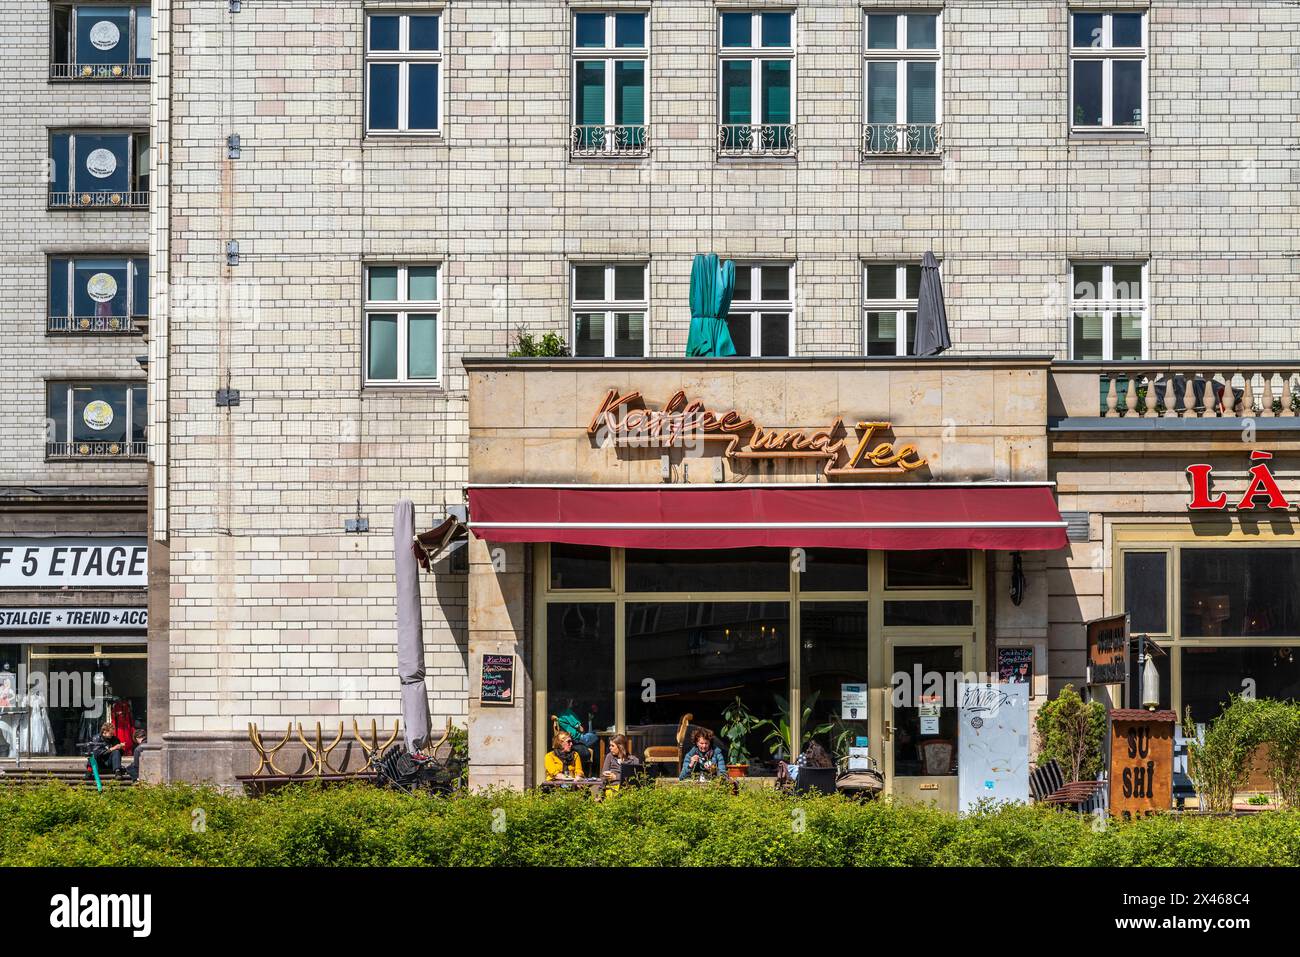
x,y
74,562
498,679
1262,494
1141,762
105,35
928,709
1108,650
101,163
97,415
853,702
993,741
101,287
625,420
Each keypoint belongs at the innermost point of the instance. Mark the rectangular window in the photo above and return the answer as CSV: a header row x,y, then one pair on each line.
x,y
610,68
1108,311
404,73
1146,592
95,41
610,304
903,84
403,316
99,169
97,294
761,320
756,83
95,420
889,308
1108,70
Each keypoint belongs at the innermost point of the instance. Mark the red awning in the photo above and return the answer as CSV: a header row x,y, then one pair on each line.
x,y
1004,516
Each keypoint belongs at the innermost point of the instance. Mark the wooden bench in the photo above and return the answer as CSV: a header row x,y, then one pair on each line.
x,y
1047,785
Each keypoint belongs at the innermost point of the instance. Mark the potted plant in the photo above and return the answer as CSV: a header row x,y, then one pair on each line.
x,y
737,723
779,733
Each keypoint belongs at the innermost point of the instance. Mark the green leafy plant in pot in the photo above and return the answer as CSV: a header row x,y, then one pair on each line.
x,y
780,732
737,723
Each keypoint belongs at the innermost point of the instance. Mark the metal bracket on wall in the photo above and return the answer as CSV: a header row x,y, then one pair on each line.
x,y
234,6
227,398
232,146
232,252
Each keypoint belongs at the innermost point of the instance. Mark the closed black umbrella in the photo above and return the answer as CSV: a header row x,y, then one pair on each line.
x,y
931,317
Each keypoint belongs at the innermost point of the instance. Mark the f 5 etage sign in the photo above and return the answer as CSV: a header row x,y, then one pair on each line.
x,y
73,562
1262,493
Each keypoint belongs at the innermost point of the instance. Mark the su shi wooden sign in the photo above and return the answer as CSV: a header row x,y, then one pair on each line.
x,y
1262,492
625,418
1141,762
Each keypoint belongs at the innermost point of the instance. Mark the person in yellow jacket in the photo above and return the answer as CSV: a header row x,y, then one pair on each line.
x,y
562,761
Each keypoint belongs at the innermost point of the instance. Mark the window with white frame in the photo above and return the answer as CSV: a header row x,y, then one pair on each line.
x,y
903,82
98,294
761,319
610,304
99,41
609,59
403,317
1108,83
756,83
890,292
404,73
95,420
1108,310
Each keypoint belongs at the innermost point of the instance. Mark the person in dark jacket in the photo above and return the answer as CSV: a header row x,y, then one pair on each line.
x,y
705,759
106,750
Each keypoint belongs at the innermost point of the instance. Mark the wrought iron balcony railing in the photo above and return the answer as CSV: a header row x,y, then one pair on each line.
x,y
99,71
84,199
760,139
76,325
96,450
609,141
902,139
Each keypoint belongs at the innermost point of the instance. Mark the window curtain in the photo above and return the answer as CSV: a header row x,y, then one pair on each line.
x,y
589,101
629,99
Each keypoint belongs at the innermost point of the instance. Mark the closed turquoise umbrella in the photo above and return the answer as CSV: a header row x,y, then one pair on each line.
x,y
711,289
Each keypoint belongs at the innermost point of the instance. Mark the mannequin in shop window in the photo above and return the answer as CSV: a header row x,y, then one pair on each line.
x,y
38,733
10,719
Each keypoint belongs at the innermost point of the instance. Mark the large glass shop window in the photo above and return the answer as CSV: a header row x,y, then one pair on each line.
x,y
1240,592
833,665
696,658
53,698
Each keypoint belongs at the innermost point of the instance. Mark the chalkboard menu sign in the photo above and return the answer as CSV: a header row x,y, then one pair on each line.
x,y
1016,666
498,678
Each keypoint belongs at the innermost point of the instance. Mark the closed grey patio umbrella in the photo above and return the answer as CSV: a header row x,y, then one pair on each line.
x,y
410,634
931,317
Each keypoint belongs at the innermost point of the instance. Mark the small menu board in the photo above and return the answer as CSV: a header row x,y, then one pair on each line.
x,y
498,678
1016,666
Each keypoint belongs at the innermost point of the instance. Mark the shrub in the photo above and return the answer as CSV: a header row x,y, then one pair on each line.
x,y
1220,764
663,827
550,344
1072,733
1280,722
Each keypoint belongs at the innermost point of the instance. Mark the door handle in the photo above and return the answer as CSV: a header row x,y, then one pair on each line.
x,y
888,733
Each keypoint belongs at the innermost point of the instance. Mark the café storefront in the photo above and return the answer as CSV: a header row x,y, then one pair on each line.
x,y
659,538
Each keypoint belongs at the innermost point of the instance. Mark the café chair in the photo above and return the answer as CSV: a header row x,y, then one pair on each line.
x,y
661,754
936,756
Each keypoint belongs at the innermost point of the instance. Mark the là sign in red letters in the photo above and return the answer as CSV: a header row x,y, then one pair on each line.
x,y
1262,493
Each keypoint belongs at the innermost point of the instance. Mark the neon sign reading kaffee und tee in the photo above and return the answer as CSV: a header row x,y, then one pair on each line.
x,y
624,418
1262,486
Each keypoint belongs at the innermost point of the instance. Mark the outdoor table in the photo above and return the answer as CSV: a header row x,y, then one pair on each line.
x,y
595,785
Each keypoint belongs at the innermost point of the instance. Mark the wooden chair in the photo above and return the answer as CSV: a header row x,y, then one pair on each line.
x,y
662,754
1047,785
936,756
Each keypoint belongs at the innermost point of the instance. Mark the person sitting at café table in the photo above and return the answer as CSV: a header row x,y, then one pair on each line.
x,y
617,758
705,758
562,761
584,738
814,756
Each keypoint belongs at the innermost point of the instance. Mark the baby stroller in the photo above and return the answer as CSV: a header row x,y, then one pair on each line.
x,y
862,784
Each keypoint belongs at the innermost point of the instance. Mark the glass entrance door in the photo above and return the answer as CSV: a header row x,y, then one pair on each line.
x,y
920,730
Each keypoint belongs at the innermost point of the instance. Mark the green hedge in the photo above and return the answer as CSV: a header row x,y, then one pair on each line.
x,y
179,826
